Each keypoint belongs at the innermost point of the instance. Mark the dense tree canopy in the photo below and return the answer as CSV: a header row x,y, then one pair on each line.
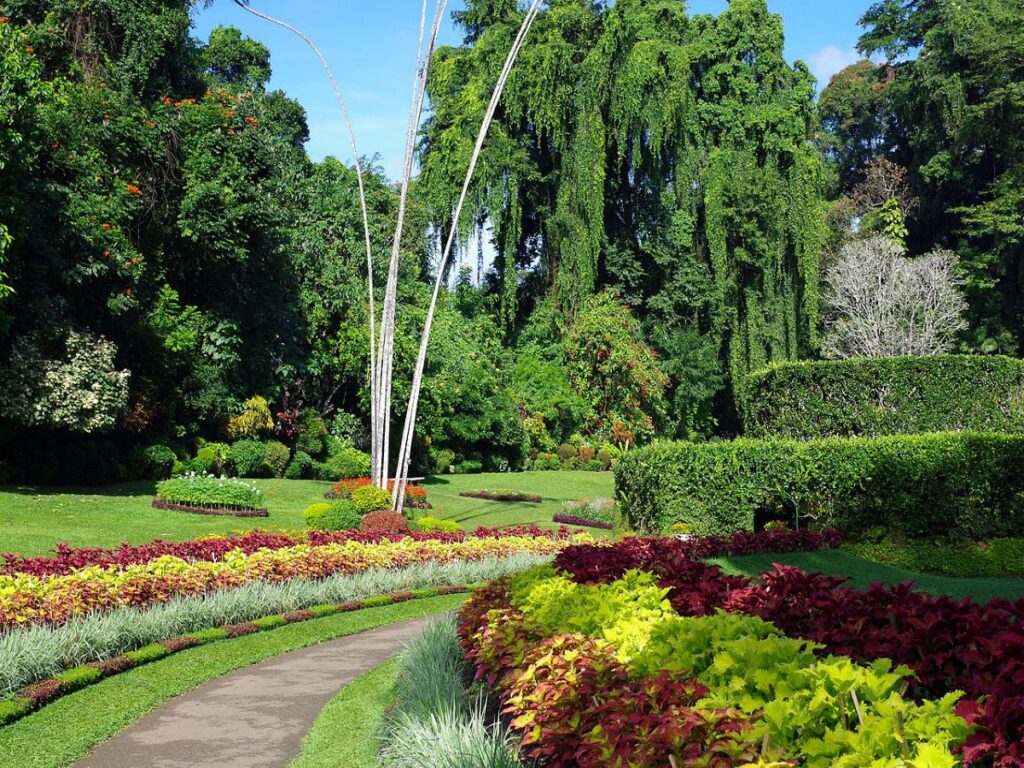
x,y
663,155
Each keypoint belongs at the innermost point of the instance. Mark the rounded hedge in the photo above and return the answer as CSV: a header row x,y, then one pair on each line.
x,y
370,498
884,396
248,457
338,515
960,484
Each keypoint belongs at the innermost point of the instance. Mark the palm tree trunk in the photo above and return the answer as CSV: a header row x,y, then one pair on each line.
x,y
398,494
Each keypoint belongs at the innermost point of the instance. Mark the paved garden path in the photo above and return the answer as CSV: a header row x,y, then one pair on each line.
x,y
254,717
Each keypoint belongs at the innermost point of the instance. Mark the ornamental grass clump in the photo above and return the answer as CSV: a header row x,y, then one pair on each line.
x,y
210,492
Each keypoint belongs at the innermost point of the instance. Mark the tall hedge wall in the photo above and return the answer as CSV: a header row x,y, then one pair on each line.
x,y
959,483
885,396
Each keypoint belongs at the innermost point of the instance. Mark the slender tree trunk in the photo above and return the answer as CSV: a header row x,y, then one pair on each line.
x,y
374,446
385,355
398,495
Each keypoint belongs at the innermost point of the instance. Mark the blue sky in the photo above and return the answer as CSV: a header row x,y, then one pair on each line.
x,y
371,46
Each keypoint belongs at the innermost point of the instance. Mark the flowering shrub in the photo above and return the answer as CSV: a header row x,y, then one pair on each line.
x,y
26,599
502,494
209,491
415,495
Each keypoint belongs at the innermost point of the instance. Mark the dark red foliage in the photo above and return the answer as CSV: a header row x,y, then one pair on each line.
x,y
401,597
237,630
176,644
114,666
586,522
42,692
950,644
66,558
384,521
212,511
503,496
351,605
299,616
450,589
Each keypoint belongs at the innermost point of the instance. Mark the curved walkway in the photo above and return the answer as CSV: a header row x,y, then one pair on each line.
x,y
255,717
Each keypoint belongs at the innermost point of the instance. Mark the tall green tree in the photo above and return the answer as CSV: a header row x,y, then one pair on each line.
x,y
667,156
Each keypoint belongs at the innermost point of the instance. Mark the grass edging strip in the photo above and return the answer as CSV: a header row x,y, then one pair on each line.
x,y
47,690
93,715
357,711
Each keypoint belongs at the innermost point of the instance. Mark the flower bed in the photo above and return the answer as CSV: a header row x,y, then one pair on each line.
x,y
216,511
582,521
66,559
610,673
502,494
949,645
593,513
210,495
27,599
48,689
415,495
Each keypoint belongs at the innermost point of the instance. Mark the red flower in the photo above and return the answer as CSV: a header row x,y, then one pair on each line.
x,y
134,189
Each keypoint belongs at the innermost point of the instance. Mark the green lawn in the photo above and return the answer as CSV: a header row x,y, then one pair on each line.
x,y
863,573
346,734
33,519
64,731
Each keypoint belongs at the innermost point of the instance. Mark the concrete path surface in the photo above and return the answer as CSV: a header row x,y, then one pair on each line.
x,y
254,717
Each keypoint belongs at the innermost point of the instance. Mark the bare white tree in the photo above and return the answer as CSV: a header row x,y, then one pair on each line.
x,y
880,303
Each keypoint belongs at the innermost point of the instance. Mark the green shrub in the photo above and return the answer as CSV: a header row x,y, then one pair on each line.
x,y
215,456
207,490
148,653
441,460
966,559
546,462
370,498
378,600
340,515
12,709
270,622
961,484
433,524
468,467
882,396
323,610
78,677
300,467
249,458
158,461
277,458
313,433
347,462
209,635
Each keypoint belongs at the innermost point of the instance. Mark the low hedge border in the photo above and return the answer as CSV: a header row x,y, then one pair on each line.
x,y
951,484
582,521
42,692
503,496
219,511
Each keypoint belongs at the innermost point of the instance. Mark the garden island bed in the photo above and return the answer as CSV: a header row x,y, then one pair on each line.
x,y
502,494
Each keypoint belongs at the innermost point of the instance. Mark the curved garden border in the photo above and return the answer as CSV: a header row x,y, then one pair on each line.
x,y
45,691
503,496
219,511
584,522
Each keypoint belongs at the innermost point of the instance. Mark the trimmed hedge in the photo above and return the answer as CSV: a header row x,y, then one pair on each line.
x,y
885,396
960,484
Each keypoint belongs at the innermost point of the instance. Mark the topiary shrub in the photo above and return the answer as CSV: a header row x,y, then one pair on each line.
x,y
277,458
346,462
882,396
370,498
384,521
338,515
313,433
248,457
300,467
961,484
158,461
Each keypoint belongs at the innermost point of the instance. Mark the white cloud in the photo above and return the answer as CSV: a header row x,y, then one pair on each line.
x,y
826,61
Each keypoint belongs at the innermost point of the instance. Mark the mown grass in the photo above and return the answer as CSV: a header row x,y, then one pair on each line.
x,y
67,729
346,734
33,519
863,573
